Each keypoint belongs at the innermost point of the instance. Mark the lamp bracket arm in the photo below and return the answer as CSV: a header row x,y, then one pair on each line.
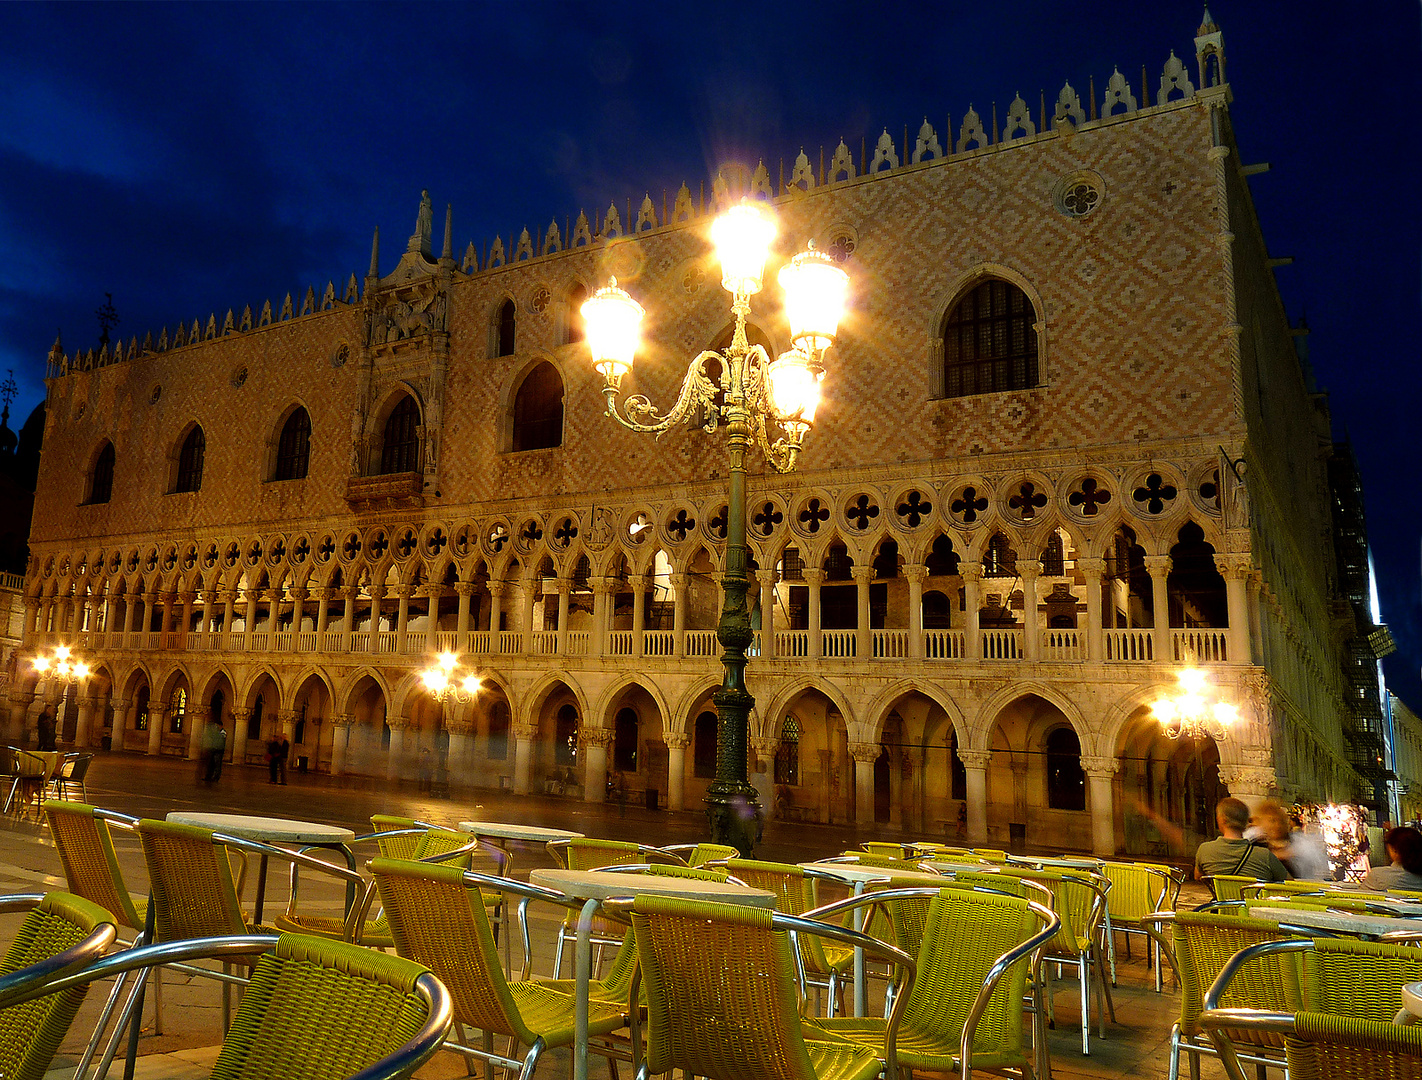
x,y
639,414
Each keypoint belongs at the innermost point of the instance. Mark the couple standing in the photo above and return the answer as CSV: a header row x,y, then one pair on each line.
x,y
278,750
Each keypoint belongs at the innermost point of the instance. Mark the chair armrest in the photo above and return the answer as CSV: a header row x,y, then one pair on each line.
x,y
16,986
1239,959
1051,923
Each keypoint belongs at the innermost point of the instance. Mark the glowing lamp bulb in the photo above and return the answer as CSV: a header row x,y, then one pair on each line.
x,y
447,661
471,684
1192,680
612,322
1225,714
81,671
742,236
62,651
815,291
794,387
1164,710
40,664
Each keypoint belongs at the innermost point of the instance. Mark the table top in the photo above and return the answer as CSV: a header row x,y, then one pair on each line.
x,y
1412,998
267,829
1067,861
604,884
1345,922
853,874
511,831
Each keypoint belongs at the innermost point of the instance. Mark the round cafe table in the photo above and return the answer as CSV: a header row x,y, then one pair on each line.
x,y
592,886
270,830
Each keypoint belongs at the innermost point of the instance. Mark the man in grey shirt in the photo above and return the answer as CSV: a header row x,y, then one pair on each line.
x,y
1231,853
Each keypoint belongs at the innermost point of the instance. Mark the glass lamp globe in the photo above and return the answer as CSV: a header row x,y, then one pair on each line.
x,y
794,387
815,291
613,321
742,236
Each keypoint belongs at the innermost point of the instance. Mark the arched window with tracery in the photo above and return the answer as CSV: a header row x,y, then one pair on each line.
x,y
504,328
787,754
400,448
538,410
190,461
999,560
177,709
294,446
1066,781
101,478
990,341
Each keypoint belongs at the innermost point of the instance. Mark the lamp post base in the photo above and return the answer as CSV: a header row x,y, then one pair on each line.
x,y
735,816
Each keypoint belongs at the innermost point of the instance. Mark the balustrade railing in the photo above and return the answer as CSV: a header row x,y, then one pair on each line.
x,y
1129,645
943,645
1200,646
360,641
306,640
792,644
385,641
578,641
891,644
660,643
510,641
702,643
333,640
619,643
281,641
1060,645
447,641
259,640
480,641
1002,644
543,642
839,644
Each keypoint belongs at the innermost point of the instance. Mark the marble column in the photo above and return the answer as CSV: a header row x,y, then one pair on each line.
x,y
524,733
465,591
19,711
229,609
676,769
602,589
975,766
896,788
914,574
639,616
298,596
461,736
323,615
972,575
83,723
157,718
340,741
1235,569
496,604
349,593
402,616
863,636
433,594
238,746
864,755
185,627
1030,570
767,576
814,578
594,743
913,803
121,719
679,583
395,759
1100,775
1093,570
529,588
1158,567
565,589
765,750
1250,783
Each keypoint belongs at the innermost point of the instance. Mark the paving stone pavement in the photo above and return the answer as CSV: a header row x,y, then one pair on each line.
x,y
1136,1045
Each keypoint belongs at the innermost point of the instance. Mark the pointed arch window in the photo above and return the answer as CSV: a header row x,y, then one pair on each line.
x,y
101,480
787,754
177,710
538,410
505,326
400,448
990,341
294,446
190,459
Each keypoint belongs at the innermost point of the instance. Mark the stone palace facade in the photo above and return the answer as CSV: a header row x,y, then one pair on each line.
x,y
1067,447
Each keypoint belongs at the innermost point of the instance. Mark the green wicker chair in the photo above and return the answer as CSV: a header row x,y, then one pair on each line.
x,y
436,919
61,933
701,854
1199,946
1080,899
882,847
1231,886
826,965
965,1006
712,969
1319,1046
314,1008
1137,890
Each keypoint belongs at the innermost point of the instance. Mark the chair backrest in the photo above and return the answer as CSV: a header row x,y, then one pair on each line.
x,y
1322,1048
1203,942
990,853
1136,890
39,763
882,847
795,894
322,1009
191,879
712,969
438,920
1003,882
586,853
437,842
396,847
1346,977
30,1033
882,862
1080,906
965,934
1229,886
86,851
698,873
705,853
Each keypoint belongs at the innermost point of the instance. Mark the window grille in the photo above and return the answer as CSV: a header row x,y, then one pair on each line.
x,y
400,449
101,484
294,447
787,754
190,461
989,342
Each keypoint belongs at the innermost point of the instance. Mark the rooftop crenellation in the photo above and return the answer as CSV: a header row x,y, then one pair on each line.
x,y
978,133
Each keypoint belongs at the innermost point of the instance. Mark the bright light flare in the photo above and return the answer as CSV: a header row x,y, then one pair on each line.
x,y
815,292
612,322
743,235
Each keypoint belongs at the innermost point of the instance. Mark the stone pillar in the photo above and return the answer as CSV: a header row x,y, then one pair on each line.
x,y
594,742
864,755
1030,570
1235,568
896,787
150,603
524,734
1159,568
914,574
249,617
298,612
32,619
1093,570
639,616
106,612
1250,783
676,769
1100,773
340,740
461,735
814,578
130,613
121,707
464,590
972,574
913,805
185,627
323,615
764,751
238,748
433,594
196,720
767,578
395,759
975,766
157,717
19,710
529,588
402,616
349,593
602,589
496,604
678,583
229,608
84,722
565,588
377,594
209,602
863,637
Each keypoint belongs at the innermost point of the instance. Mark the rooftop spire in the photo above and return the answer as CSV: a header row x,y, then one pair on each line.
x,y
375,254
448,252
1207,24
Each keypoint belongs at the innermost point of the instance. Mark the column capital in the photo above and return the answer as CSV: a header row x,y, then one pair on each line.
x,y
464,588
1234,564
1100,766
324,594
208,596
343,720
377,590
1157,564
679,579
812,575
765,747
914,572
1254,780
970,571
186,597
975,759
498,589
676,740
394,723
350,592
239,716
524,731
405,590
1029,568
863,751
594,736
864,573
299,593
1091,566
767,575
604,586
275,596
562,585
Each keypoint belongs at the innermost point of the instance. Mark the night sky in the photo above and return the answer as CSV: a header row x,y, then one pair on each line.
x,y
192,158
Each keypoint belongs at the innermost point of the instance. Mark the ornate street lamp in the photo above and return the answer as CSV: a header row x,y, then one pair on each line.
x,y
1196,711
443,681
757,392
63,666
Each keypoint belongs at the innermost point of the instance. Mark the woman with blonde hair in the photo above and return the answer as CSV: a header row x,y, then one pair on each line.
x,y
1304,857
